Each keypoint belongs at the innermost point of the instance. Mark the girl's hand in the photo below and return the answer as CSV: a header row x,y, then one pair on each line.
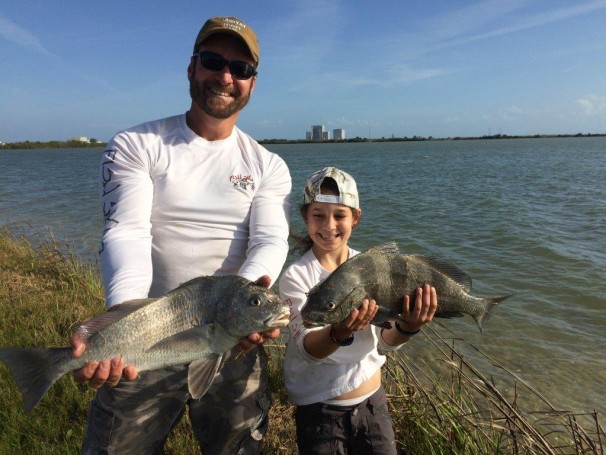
x,y
425,306
358,319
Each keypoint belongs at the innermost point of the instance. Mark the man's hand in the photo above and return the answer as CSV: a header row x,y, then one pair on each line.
x,y
258,338
98,373
264,281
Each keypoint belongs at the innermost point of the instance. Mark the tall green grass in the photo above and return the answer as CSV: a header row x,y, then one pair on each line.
x,y
456,409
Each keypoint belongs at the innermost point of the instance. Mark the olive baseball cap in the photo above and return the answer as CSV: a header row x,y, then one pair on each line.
x,y
348,191
232,26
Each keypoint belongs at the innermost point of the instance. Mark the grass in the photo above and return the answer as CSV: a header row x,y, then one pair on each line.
x,y
449,408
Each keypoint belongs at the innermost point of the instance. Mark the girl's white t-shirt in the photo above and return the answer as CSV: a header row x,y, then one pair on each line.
x,y
311,380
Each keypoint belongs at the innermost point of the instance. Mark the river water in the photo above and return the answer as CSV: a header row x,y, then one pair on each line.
x,y
522,216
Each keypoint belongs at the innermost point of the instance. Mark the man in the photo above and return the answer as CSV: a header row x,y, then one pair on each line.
x,y
186,196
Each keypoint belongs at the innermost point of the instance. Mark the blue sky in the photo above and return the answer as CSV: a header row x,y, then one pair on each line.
x,y
375,68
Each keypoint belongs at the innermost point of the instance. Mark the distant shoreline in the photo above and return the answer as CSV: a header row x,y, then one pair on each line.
x,y
76,144
24,145
429,138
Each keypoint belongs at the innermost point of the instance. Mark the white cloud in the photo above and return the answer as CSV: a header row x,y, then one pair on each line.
x,y
454,29
392,76
585,105
13,32
592,105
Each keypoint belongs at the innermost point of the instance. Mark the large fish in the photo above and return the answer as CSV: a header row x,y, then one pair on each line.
x,y
193,324
385,275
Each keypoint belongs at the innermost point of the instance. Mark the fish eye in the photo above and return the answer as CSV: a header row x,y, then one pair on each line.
x,y
255,301
331,306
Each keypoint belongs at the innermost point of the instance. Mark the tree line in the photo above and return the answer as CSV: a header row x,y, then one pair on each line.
x,y
52,144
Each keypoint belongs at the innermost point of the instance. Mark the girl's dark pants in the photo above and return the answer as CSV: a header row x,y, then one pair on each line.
x,y
365,428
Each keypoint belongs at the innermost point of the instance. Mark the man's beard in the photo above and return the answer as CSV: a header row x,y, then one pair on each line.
x,y
214,105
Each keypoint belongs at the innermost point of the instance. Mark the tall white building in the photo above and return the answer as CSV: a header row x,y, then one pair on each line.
x,y
338,134
317,132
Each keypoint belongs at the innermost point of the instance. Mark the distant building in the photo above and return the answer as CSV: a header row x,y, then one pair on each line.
x,y
79,139
317,132
338,134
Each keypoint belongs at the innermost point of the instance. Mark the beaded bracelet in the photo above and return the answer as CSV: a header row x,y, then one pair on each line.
x,y
401,331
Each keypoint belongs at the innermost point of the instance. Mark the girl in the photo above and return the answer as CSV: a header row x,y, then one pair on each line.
x,y
333,373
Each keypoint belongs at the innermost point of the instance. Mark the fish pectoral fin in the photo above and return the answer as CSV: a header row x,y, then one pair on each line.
x,y
383,324
383,316
201,374
183,341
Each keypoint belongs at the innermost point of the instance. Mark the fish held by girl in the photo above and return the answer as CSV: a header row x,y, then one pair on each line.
x,y
384,274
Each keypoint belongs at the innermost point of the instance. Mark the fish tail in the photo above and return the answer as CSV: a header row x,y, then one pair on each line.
x,y
489,304
35,370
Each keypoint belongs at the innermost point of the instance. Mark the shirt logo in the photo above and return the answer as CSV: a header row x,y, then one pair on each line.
x,y
244,182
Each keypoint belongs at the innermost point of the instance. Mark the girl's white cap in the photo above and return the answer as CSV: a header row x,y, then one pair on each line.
x,y
348,191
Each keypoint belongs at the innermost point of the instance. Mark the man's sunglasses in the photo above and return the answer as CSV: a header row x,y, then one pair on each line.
x,y
215,62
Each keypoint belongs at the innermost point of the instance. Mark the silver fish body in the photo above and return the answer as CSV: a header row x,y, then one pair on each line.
x,y
383,274
194,324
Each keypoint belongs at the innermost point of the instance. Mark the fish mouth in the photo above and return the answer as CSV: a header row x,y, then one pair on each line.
x,y
280,320
310,324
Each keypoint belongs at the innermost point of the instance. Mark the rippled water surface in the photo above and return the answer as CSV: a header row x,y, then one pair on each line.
x,y
523,216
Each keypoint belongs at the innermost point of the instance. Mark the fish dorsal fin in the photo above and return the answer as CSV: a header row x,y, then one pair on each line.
x,y
448,269
113,314
201,374
384,248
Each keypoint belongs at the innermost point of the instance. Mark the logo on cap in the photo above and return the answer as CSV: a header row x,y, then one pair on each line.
x,y
233,26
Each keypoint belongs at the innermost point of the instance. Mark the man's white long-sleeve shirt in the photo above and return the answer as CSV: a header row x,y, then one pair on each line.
x,y
177,206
